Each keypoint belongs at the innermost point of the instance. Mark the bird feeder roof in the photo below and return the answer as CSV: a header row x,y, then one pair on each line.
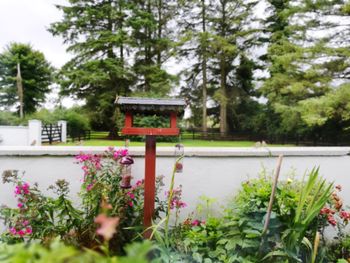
x,y
135,104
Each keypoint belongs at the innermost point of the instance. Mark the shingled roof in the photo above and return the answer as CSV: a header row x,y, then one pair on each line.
x,y
150,104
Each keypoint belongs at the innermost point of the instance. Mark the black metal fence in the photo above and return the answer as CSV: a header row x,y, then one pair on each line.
x,y
51,133
79,135
305,140
215,135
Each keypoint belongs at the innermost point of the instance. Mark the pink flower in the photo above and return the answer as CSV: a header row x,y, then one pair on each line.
x,y
25,222
131,195
120,153
131,204
20,205
195,222
21,233
18,190
29,230
13,231
108,226
89,187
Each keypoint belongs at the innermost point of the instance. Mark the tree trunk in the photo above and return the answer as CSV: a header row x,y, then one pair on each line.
x,y
20,90
223,103
223,96
160,24
204,72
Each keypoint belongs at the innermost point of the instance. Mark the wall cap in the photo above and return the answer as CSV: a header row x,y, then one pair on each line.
x,y
169,151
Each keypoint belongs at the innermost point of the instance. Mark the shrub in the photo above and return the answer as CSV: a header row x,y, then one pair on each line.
x,y
240,237
77,120
9,118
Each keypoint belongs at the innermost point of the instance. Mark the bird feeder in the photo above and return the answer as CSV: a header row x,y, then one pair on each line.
x,y
149,106
179,151
126,163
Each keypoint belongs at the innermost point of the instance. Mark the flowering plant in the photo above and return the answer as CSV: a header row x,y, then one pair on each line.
x,y
334,213
37,216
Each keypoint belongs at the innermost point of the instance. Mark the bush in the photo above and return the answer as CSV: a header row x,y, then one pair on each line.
x,y
9,118
77,120
239,236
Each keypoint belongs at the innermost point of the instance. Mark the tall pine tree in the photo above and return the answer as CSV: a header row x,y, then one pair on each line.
x,y
97,35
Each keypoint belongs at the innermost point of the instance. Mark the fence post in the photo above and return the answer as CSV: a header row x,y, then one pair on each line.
x,y
34,132
63,125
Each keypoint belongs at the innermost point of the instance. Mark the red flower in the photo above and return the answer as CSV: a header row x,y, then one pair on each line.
x,y
331,220
344,215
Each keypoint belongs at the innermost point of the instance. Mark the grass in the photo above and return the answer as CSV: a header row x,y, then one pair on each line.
x,y
187,143
97,141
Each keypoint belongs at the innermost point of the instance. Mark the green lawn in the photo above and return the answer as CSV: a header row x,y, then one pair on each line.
x,y
188,143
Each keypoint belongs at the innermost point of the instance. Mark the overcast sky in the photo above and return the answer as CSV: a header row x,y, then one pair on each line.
x,y
27,21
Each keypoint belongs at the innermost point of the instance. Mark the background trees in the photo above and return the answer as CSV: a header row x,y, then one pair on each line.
x,y
268,67
307,61
128,46
36,75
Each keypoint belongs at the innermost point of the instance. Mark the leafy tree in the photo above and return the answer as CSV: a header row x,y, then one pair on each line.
x,y
36,75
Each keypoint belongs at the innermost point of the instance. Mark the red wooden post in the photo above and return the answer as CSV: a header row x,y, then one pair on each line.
x,y
173,119
150,183
128,119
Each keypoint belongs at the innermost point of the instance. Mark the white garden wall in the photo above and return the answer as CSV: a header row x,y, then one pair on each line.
x,y
27,135
214,172
13,135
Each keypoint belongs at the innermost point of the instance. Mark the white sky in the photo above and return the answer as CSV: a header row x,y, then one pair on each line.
x,y
27,21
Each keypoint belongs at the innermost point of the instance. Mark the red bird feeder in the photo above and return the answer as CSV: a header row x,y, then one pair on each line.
x,y
148,106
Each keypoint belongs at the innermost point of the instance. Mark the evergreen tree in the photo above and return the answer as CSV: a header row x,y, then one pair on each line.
x,y
303,65
196,36
97,35
34,79
231,36
152,44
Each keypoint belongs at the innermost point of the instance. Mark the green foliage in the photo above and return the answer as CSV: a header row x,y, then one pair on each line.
x,y
332,106
77,119
36,75
9,118
239,236
58,252
340,249
301,77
